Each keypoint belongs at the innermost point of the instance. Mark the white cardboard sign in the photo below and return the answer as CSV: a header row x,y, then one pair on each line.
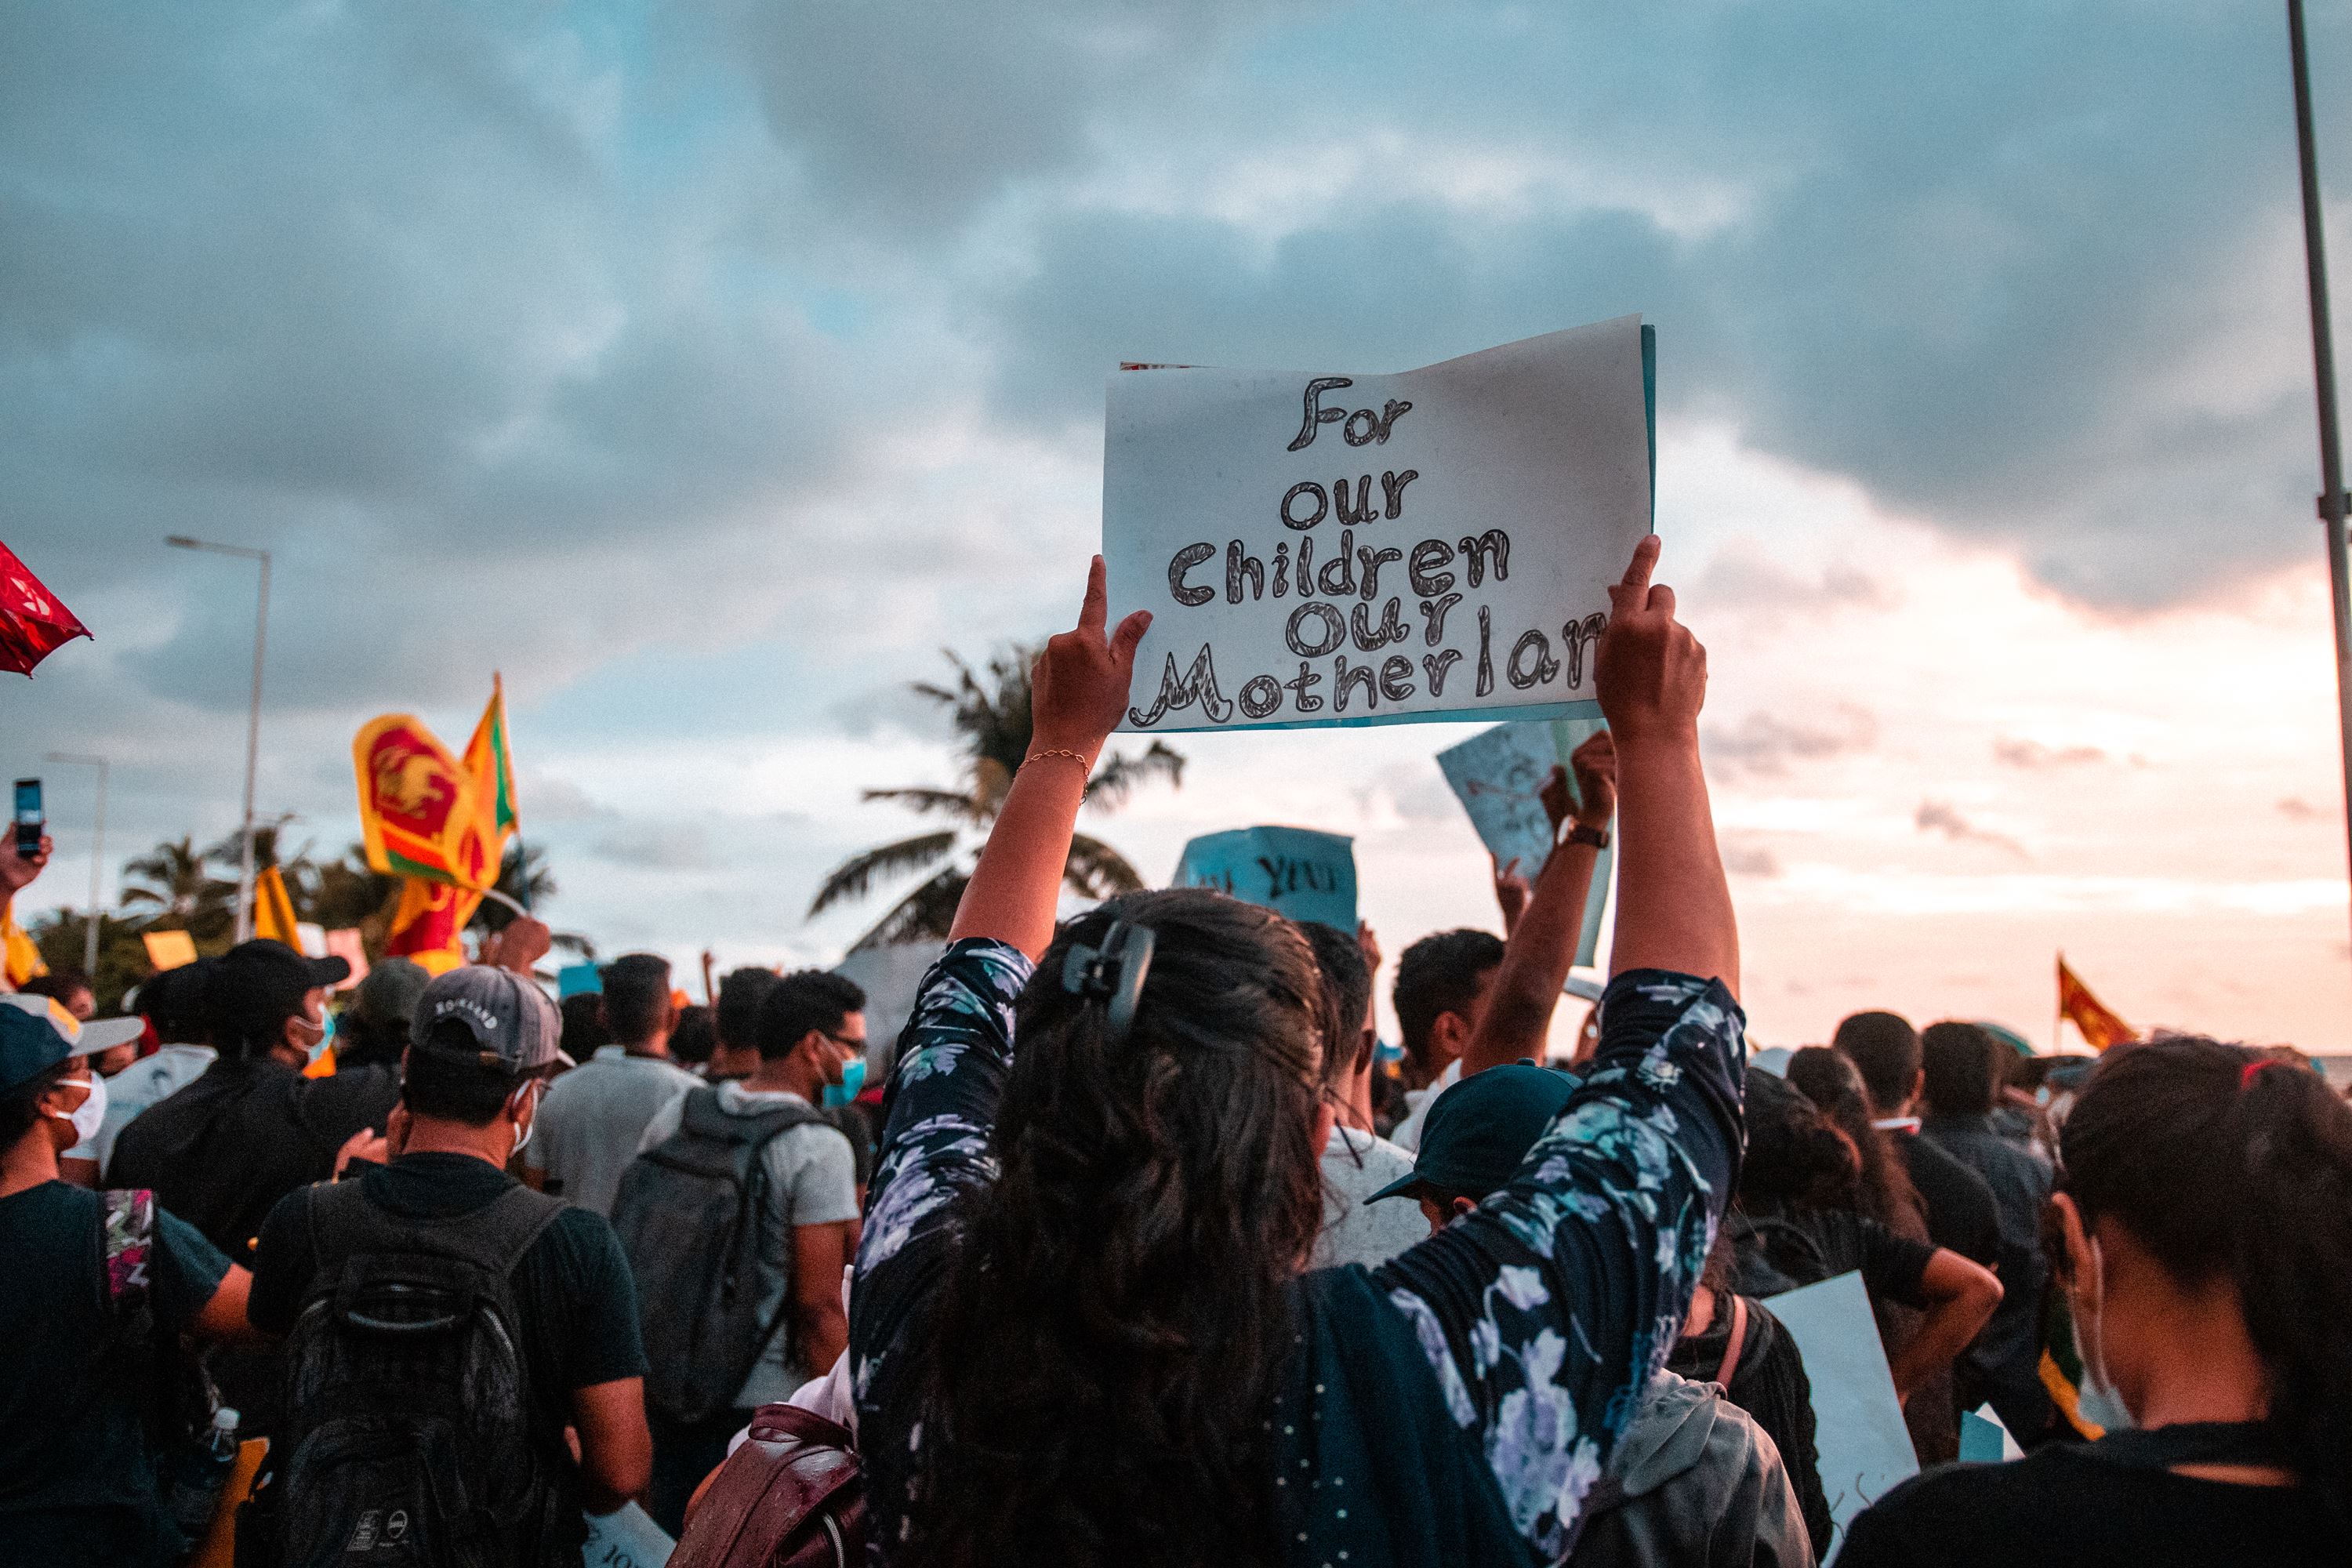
x,y
1326,549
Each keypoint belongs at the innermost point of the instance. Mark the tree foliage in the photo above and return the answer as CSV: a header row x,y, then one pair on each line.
x,y
989,712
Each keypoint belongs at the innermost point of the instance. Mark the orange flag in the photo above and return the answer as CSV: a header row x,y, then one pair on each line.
x,y
2100,1027
273,909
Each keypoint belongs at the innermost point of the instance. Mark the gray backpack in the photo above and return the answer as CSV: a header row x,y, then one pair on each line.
x,y
688,1213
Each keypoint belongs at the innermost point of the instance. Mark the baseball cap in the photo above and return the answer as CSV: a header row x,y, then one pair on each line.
x,y
256,986
390,990
510,1018
36,1033
1480,1131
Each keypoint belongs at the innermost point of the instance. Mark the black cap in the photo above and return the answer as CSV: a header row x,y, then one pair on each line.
x,y
1480,1131
256,986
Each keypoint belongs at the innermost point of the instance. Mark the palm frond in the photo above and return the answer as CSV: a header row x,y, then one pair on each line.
x,y
1096,870
925,798
927,914
853,877
1117,778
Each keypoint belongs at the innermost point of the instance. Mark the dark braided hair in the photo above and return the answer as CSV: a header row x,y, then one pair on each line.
x,y
1116,1312
2220,1162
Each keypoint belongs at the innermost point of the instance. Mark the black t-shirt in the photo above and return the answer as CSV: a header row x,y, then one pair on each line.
x,y
76,1483
1961,1214
222,1150
1842,1241
573,1288
2063,1504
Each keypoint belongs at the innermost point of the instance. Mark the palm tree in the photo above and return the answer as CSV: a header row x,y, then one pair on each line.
x,y
177,881
990,717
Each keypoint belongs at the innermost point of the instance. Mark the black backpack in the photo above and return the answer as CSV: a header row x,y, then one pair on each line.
x,y
411,1436
689,1215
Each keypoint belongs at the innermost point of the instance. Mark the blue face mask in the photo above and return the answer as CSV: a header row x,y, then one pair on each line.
x,y
853,1079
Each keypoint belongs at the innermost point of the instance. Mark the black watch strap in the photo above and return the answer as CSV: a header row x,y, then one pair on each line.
x,y
1578,833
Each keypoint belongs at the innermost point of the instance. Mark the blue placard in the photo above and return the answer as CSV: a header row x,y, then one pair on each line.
x,y
579,980
1295,871
1499,775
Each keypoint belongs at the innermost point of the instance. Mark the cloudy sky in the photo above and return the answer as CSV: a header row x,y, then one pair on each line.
x,y
709,367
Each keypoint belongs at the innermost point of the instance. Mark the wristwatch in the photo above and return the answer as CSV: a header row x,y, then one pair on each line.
x,y
1583,833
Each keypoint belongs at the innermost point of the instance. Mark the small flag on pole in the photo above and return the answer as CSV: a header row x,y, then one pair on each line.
x,y
273,909
34,622
2100,1027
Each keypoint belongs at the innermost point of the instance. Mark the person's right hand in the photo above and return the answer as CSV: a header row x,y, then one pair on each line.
x,y
1650,673
17,870
1078,687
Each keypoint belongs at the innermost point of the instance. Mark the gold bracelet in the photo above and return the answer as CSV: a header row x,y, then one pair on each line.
x,y
1057,752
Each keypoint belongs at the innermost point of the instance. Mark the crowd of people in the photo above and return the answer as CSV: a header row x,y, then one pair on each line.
x,y
1148,1251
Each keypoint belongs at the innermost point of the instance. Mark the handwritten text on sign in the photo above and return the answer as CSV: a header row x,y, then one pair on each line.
x,y
1321,549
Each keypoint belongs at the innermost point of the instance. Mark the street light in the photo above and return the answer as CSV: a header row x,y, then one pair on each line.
x,y
97,857
253,723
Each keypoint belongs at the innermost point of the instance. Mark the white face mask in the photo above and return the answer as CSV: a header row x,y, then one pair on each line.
x,y
2098,1403
89,1116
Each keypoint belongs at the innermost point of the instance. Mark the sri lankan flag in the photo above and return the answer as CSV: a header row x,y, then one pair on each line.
x,y
492,767
2101,1028
441,822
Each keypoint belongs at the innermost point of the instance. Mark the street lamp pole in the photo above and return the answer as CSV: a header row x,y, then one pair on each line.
x,y
97,857
253,721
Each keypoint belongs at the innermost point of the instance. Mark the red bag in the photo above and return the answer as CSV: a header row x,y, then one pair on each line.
x,y
792,1496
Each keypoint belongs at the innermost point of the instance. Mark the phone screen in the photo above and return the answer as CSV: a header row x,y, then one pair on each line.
x,y
28,817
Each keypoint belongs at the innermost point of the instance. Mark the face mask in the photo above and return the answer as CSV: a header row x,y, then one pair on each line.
x,y
89,1116
310,1036
853,1079
2097,1402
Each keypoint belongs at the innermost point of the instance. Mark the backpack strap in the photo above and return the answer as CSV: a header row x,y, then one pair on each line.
x,y
1736,1343
127,1225
344,1223
794,1467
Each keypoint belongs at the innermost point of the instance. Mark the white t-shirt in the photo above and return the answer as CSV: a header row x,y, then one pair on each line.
x,y
1355,1165
812,1180
1407,1135
146,1082
593,1119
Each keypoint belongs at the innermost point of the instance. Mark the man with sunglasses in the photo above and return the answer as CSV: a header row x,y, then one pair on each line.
x,y
811,1035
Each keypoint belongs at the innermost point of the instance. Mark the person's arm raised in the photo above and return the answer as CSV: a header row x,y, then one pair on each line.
x,y
1674,907
1542,947
1079,692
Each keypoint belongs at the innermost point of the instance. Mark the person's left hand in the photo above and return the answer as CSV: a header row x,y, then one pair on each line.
x,y
1511,892
17,870
1078,687
1595,763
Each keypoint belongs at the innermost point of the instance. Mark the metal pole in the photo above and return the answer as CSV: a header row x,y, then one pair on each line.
x,y
253,722
97,858
252,756
2323,365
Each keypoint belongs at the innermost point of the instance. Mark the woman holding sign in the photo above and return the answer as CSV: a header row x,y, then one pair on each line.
x,y
1080,1329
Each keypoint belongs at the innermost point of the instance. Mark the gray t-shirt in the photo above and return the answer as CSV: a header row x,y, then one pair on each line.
x,y
812,1180
1356,1165
593,1119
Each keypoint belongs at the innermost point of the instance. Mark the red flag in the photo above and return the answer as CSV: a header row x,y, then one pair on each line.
x,y
2100,1027
34,624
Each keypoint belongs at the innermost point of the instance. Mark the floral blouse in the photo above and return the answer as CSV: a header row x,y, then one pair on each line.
x,y
1543,1314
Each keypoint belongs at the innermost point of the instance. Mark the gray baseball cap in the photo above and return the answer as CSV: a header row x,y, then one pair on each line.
x,y
509,1018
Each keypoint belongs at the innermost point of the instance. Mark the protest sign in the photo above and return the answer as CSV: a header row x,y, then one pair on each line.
x,y
1864,1447
579,979
1294,871
625,1538
1319,549
1499,775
